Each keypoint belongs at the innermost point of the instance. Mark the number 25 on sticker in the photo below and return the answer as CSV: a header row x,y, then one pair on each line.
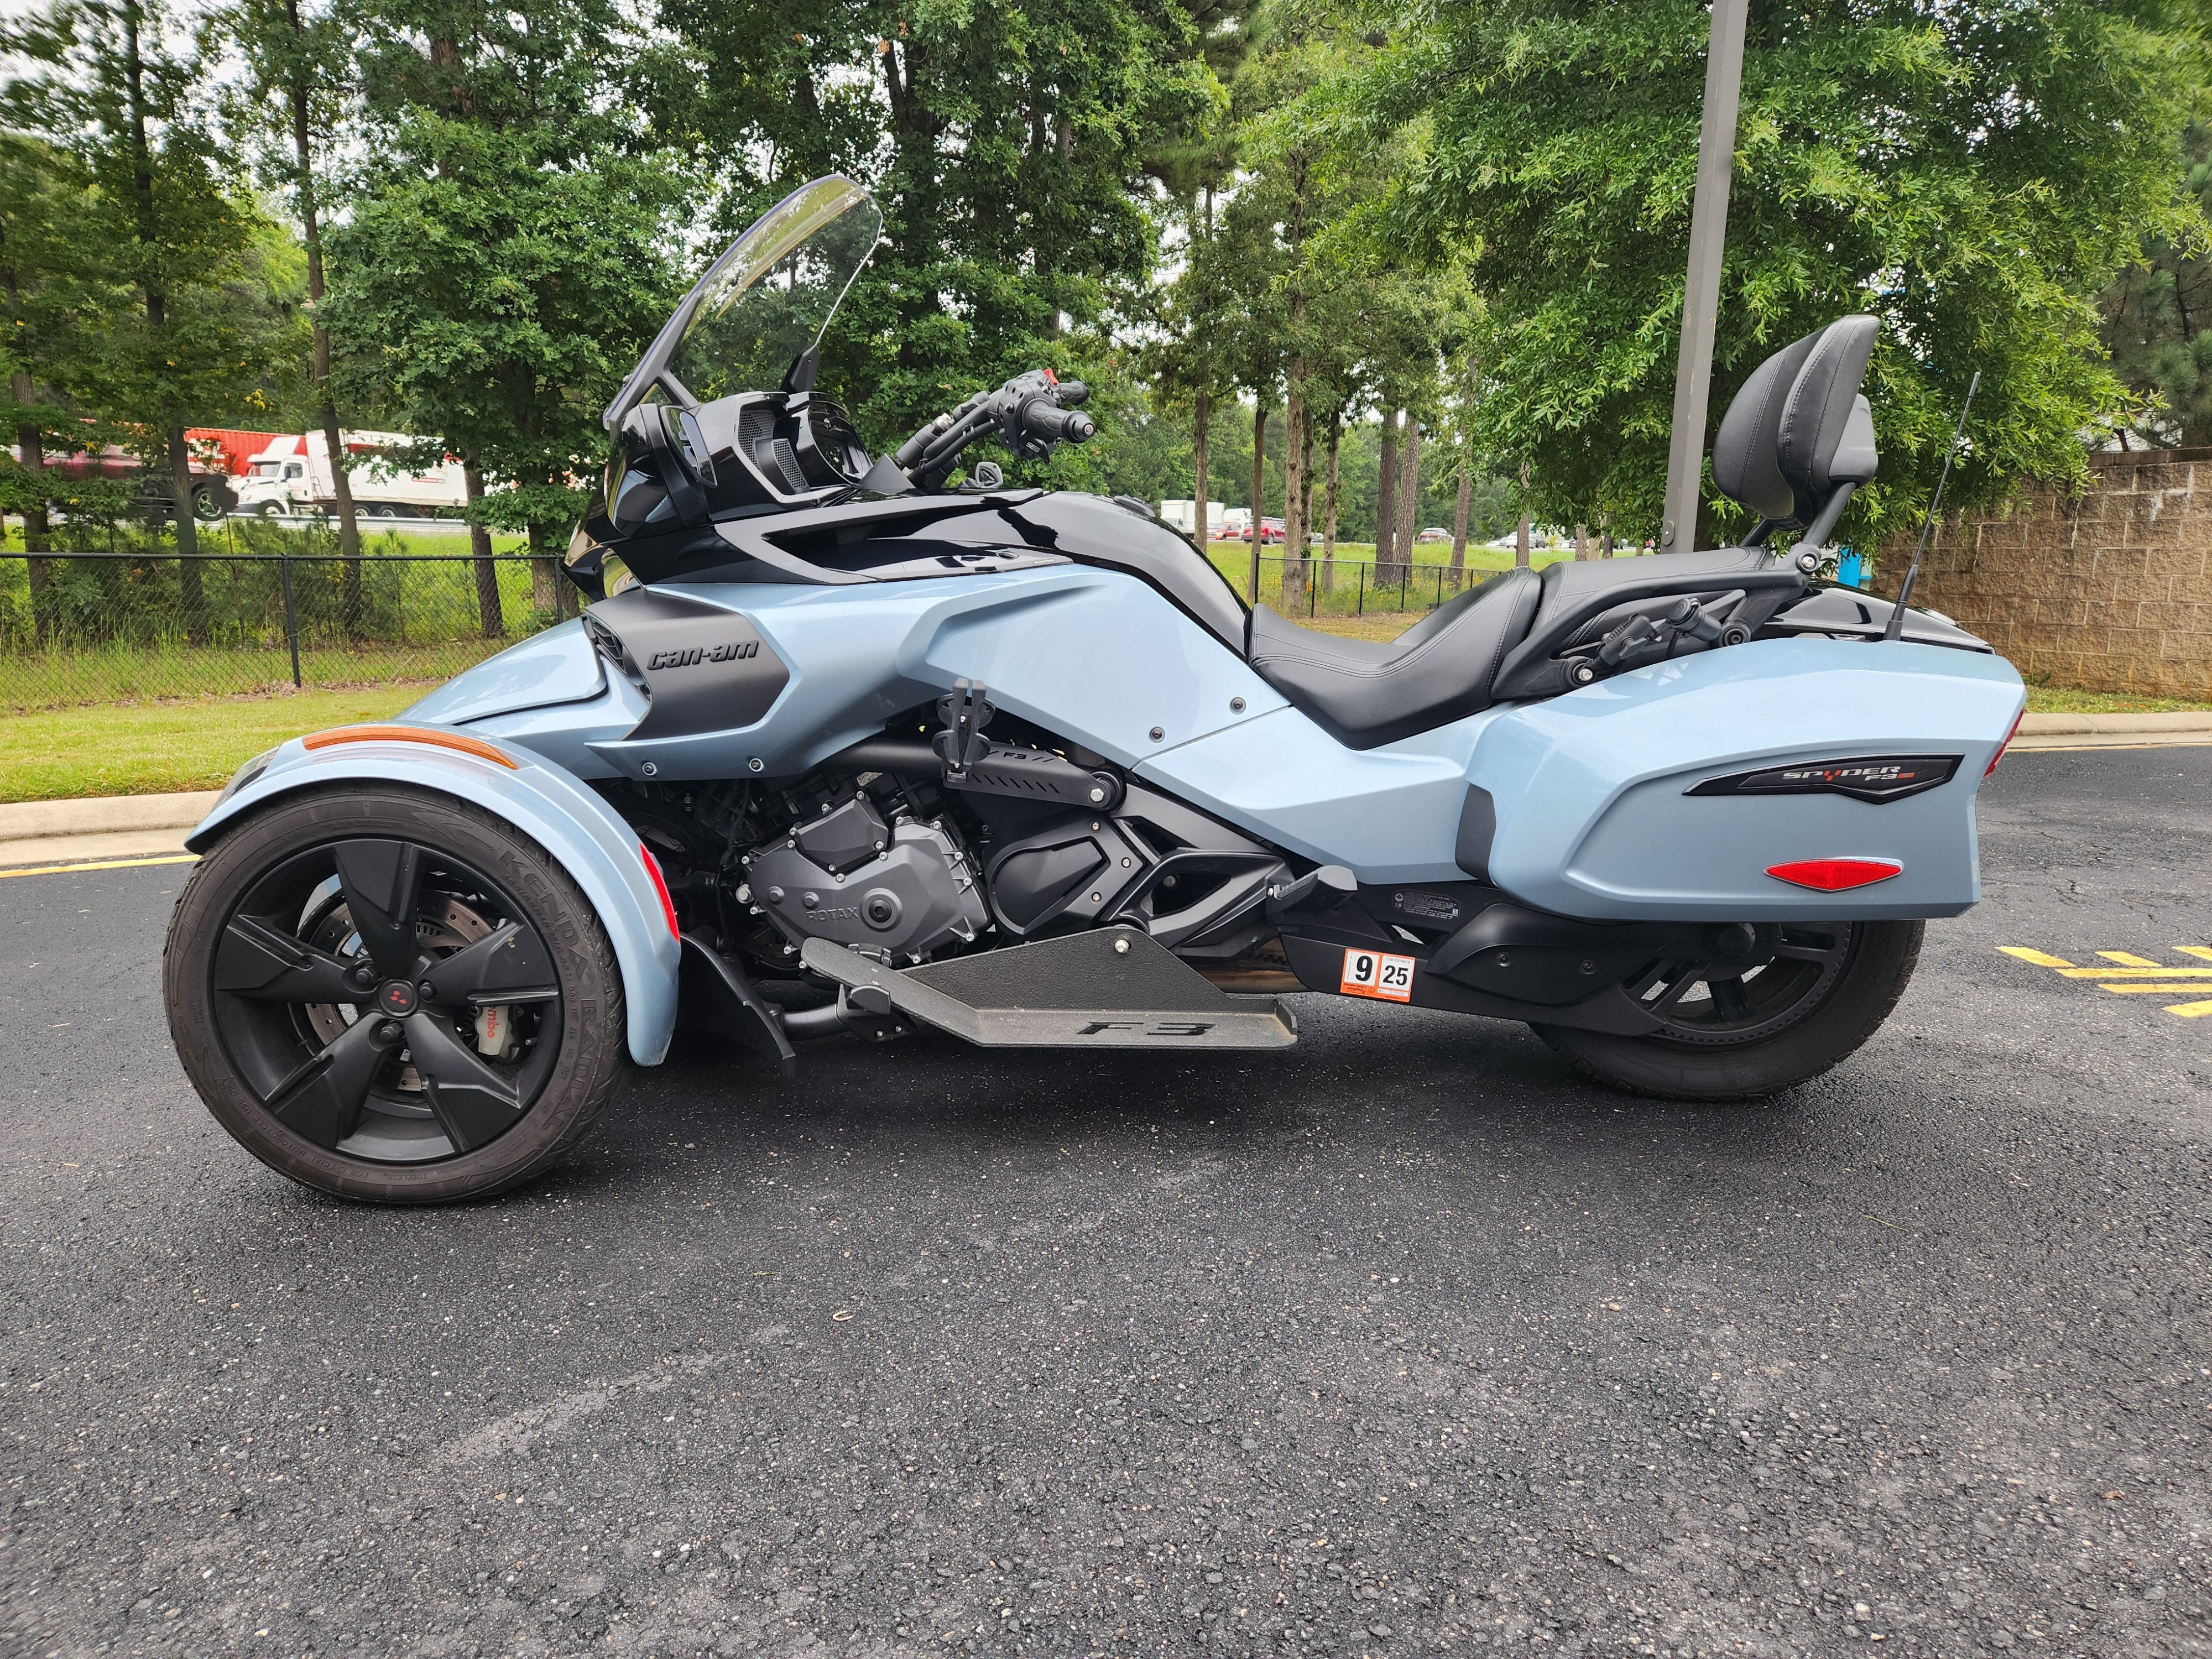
x,y
1372,974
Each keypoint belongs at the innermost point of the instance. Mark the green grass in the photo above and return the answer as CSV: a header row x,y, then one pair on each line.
x,y
2062,700
148,749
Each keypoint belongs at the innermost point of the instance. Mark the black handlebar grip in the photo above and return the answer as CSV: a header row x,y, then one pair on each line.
x,y
1070,394
1078,428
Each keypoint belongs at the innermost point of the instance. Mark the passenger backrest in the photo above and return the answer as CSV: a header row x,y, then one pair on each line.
x,y
1799,428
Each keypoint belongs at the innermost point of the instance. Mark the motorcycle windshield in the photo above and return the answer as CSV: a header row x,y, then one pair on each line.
x,y
765,301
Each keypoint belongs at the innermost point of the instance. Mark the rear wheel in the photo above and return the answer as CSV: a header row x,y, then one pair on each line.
x,y
389,994
1732,1033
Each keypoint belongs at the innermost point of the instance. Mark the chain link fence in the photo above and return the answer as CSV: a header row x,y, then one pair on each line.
x,y
1350,587
95,626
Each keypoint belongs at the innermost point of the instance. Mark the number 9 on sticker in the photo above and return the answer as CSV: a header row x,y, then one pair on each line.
x,y
1372,974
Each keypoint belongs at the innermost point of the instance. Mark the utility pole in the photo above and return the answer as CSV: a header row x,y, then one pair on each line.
x,y
1701,295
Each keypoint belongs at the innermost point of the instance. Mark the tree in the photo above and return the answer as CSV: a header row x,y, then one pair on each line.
x,y
1008,145
2158,317
507,259
186,310
37,184
298,95
1972,173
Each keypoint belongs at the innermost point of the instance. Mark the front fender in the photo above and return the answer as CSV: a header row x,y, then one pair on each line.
x,y
585,837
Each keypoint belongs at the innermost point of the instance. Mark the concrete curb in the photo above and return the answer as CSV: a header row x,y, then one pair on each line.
x,y
2100,726
106,827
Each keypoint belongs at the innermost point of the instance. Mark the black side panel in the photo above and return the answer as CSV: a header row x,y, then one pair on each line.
x,y
1092,530
705,669
1477,827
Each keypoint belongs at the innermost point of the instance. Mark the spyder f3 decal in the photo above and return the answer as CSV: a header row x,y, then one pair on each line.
x,y
1876,778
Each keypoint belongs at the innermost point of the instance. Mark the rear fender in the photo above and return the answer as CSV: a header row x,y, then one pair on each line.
x,y
584,835
1591,790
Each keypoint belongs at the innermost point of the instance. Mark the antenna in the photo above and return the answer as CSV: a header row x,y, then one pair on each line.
x,y
1896,629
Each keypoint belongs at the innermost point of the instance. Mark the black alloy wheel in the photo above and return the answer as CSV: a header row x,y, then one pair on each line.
x,y
370,1009
1732,1033
1707,1005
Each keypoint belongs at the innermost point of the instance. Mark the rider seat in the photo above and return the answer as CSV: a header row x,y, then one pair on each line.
x,y
1364,693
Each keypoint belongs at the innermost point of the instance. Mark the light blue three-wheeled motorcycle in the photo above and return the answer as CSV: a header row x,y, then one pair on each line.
x,y
841,749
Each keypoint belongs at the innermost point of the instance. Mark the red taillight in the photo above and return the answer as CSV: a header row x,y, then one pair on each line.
x,y
660,886
2007,743
1834,875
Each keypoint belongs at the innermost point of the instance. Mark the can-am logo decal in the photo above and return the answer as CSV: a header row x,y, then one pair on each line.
x,y
1876,778
734,651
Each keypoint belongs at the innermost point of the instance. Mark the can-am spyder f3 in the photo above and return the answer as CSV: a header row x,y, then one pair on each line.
x,y
838,749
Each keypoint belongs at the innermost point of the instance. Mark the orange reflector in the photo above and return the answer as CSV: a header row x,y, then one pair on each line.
x,y
1834,875
660,886
459,741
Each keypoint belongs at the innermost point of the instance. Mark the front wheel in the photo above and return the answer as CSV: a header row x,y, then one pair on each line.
x,y
390,994
1731,1033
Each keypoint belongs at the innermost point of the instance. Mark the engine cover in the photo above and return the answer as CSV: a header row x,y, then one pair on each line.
x,y
913,898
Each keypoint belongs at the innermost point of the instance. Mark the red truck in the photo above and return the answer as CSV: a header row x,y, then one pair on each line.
x,y
219,454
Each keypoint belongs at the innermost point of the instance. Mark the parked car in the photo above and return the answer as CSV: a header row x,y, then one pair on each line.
x,y
1271,530
1434,533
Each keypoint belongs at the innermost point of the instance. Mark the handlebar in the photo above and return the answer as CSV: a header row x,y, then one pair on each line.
x,y
1032,413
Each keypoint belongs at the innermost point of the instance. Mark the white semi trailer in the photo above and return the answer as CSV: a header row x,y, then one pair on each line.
x,y
292,475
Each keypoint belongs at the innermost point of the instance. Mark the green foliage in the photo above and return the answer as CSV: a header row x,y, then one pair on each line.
x,y
180,298
506,258
2158,315
1973,173
1007,144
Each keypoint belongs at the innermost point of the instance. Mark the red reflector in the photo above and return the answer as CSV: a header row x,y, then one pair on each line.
x,y
660,886
2007,743
1833,875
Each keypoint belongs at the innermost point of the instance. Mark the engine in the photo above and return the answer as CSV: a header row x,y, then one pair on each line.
x,y
898,887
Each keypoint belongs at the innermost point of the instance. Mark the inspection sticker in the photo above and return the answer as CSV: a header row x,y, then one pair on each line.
x,y
1372,974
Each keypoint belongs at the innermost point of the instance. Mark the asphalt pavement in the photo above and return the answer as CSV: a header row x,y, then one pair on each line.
x,y
1402,1341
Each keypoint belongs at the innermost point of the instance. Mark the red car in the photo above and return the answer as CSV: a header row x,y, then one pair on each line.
x,y
1271,530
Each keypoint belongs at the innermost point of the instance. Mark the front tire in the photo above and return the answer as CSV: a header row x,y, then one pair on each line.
x,y
389,994
1729,1035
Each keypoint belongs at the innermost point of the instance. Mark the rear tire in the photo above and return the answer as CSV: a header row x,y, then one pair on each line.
x,y
1795,1042
270,973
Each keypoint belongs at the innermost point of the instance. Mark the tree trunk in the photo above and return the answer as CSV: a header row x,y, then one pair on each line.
x,y
1605,536
1329,505
1409,500
303,157
544,589
1259,498
190,599
1295,446
1459,528
1581,543
1521,535
493,625
1200,529
1386,495
31,445
1306,500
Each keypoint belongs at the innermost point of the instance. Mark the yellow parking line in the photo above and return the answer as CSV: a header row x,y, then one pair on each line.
x,y
104,864
2136,974
2203,950
2127,959
2040,958
2190,1010
2169,990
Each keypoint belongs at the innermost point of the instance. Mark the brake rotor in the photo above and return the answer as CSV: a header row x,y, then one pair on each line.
x,y
443,926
